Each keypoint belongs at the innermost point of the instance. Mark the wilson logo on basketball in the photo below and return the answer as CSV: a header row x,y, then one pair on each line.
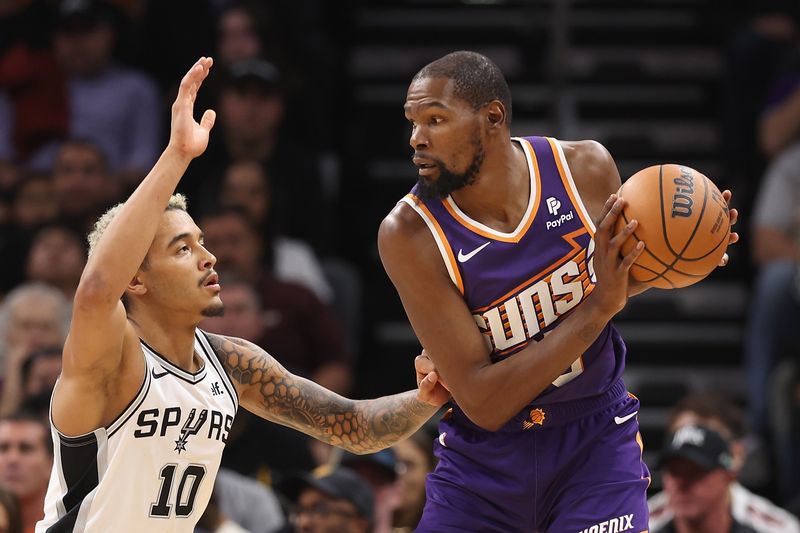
x,y
682,197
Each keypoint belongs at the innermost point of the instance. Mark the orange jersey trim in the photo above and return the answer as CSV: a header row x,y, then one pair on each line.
x,y
442,243
569,185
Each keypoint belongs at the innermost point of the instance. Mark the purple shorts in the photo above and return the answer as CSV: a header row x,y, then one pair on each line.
x,y
569,467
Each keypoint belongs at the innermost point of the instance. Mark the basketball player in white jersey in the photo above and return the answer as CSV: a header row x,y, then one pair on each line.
x,y
145,401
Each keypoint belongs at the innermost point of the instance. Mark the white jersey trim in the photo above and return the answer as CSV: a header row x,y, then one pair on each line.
x,y
572,185
443,247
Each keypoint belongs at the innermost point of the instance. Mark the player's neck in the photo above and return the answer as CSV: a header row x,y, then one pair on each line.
x,y
171,339
500,195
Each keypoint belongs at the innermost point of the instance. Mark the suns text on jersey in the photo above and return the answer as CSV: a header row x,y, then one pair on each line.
x,y
536,305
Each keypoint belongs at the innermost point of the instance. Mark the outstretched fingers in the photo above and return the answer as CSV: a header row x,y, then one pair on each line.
x,y
192,80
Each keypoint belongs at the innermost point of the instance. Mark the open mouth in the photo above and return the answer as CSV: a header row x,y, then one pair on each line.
x,y
212,280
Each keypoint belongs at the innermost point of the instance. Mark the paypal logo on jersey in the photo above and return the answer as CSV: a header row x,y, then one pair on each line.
x,y
553,205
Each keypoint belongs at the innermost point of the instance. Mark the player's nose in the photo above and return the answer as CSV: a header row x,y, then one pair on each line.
x,y
418,139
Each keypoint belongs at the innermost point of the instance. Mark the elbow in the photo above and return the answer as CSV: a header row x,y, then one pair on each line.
x,y
94,290
484,414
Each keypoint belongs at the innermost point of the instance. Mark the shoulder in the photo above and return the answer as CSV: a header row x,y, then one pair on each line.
x,y
594,172
234,352
760,513
589,160
403,227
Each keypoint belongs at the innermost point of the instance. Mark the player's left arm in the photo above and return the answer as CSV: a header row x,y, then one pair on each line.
x,y
596,177
270,391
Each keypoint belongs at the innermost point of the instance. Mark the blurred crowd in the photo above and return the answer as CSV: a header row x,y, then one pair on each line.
x,y
85,87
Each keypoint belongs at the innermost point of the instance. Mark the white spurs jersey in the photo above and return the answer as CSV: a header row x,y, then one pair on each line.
x,y
153,469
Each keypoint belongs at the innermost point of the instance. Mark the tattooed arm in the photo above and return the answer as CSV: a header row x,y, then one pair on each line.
x,y
361,426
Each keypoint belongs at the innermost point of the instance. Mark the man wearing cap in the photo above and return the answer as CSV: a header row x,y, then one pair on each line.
x,y
380,470
701,494
337,502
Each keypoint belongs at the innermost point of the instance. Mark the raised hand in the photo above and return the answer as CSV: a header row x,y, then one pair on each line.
x,y
188,137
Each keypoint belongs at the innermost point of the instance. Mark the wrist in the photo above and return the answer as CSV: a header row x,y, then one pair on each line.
x,y
176,154
597,310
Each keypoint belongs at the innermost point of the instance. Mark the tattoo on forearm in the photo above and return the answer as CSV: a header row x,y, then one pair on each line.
x,y
273,393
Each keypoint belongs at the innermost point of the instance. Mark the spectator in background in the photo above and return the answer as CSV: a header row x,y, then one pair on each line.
x,y
116,107
34,106
10,521
416,460
84,188
757,51
297,325
214,519
250,120
338,501
33,201
700,462
56,257
32,204
243,501
380,470
26,458
774,310
31,385
242,33
32,316
246,185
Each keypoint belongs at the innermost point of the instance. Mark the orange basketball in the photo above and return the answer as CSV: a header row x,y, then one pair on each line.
x,y
683,221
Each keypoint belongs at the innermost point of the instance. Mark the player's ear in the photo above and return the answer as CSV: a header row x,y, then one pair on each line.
x,y
136,286
495,114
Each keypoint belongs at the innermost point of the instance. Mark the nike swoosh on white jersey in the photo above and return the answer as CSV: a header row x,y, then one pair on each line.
x,y
623,419
462,258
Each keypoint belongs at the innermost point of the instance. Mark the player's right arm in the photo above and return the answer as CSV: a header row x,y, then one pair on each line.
x,y
491,394
96,375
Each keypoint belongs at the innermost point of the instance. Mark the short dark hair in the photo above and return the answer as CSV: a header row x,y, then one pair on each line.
x,y
712,404
476,78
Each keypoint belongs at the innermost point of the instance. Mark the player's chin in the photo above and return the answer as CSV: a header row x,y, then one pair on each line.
x,y
215,308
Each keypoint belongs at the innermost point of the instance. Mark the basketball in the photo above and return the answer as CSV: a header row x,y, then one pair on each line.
x,y
683,221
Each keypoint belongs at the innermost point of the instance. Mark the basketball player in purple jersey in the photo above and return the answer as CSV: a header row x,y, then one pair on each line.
x,y
508,281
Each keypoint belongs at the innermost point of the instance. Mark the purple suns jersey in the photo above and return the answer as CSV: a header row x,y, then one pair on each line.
x,y
520,285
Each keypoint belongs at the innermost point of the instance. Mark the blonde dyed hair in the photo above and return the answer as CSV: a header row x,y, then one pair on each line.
x,y
176,201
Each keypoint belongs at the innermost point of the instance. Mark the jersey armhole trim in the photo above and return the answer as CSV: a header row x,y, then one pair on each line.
x,y
440,238
569,184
